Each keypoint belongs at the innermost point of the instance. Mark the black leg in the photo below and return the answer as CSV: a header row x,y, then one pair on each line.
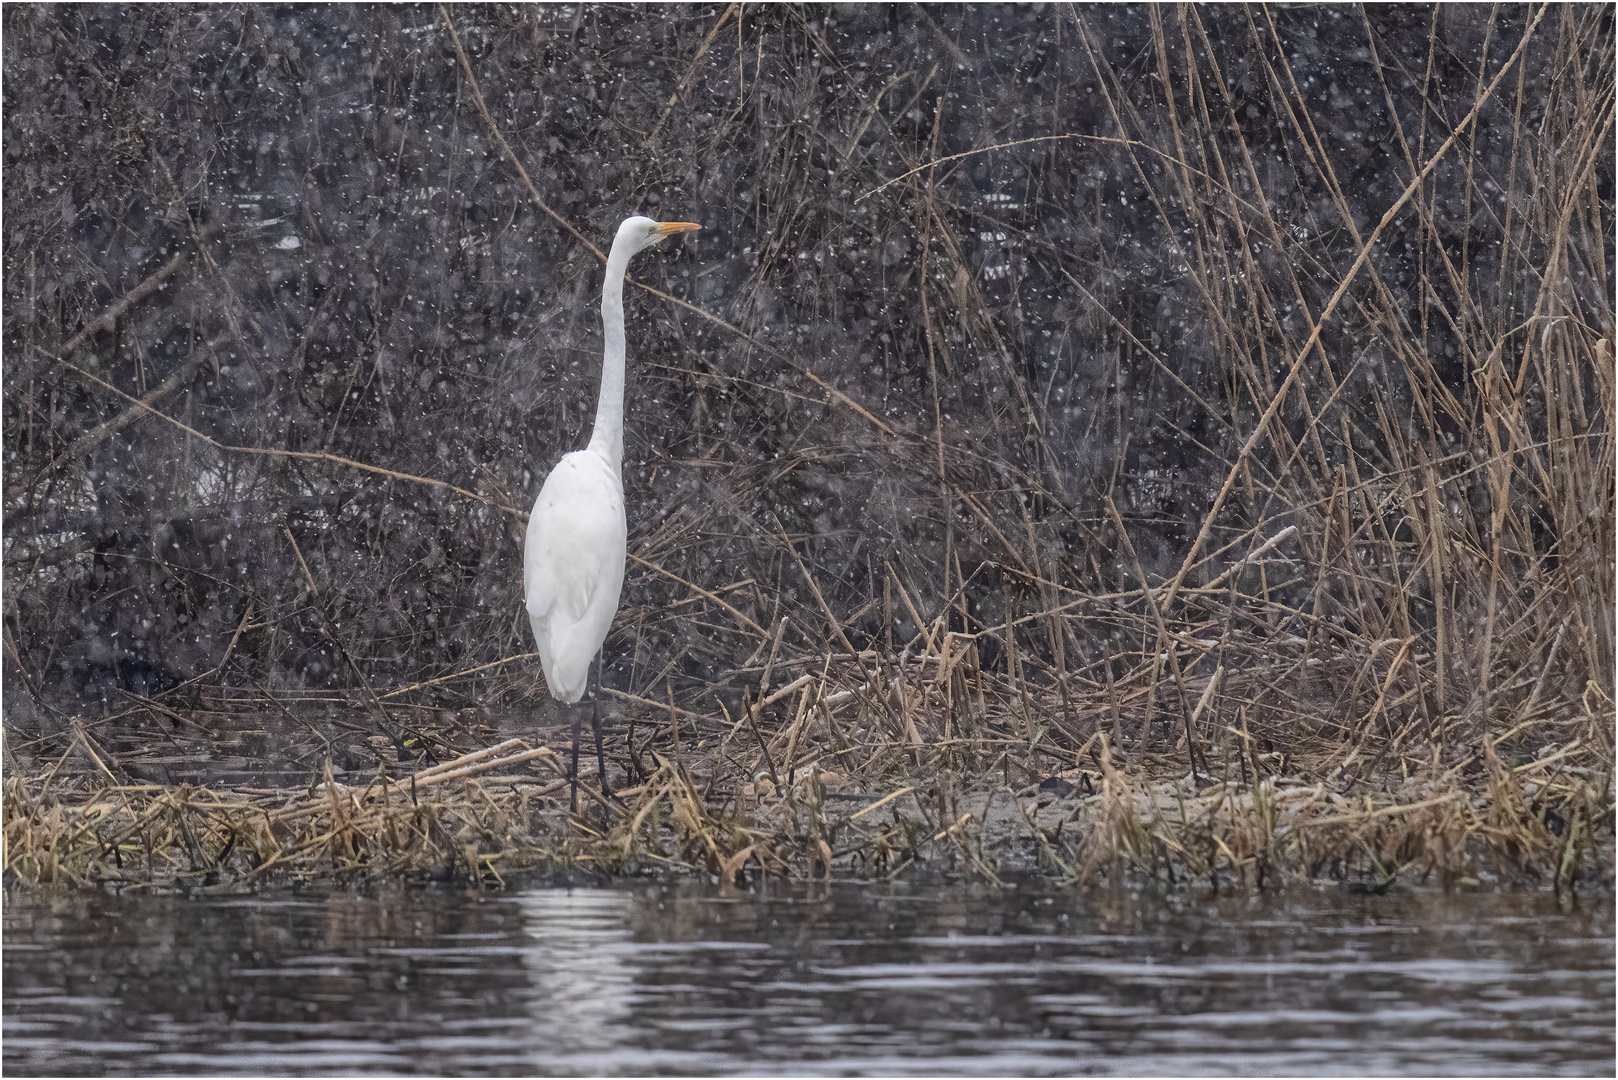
x,y
595,725
574,772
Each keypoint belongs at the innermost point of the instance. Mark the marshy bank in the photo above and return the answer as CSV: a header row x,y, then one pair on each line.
x,y
1163,442
815,776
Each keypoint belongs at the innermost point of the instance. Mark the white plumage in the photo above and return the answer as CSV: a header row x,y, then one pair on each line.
x,y
573,567
573,557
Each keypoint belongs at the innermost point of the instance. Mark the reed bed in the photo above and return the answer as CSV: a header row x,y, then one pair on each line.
x,y
1224,492
861,769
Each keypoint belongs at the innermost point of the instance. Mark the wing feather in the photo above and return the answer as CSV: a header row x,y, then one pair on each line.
x,y
573,566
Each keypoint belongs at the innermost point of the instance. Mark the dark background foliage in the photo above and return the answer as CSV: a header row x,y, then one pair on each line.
x,y
949,377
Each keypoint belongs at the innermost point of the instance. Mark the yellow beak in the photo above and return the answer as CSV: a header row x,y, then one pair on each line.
x,y
669,228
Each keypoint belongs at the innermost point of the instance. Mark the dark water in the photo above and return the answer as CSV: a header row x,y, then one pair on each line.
x,y
894,979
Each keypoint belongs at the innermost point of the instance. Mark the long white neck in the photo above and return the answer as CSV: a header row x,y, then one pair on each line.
x,y
607,439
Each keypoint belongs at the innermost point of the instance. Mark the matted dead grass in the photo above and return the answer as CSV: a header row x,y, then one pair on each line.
x,y
824,776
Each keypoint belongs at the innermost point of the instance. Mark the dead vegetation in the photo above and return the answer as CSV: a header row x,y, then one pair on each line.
x,y
824,776
1321,587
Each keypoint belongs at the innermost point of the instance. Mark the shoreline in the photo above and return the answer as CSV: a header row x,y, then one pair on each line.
x,y
843,786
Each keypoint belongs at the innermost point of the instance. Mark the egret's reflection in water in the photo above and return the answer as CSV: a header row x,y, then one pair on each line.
x,y
931,979
579,954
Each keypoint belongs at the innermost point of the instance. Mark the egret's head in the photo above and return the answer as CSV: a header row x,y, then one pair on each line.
x,y
642,232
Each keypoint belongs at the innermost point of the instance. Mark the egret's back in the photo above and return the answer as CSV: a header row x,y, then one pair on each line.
x,y
573,567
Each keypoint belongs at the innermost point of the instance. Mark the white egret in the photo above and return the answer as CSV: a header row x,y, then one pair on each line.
x,y
573,557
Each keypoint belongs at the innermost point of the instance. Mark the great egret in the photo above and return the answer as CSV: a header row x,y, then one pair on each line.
x,y
573,557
